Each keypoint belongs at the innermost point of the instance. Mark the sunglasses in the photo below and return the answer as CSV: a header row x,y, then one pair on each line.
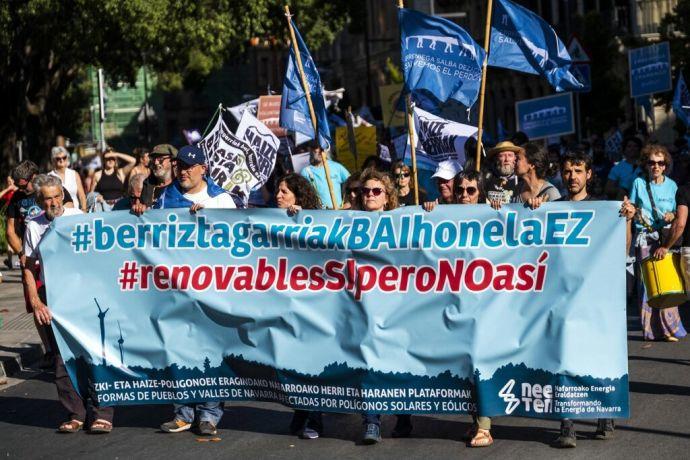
x,y
161,158
651,163
63,158
376,191
470,191
401,175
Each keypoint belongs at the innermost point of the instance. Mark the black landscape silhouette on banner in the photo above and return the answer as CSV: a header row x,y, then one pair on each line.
x,y
340,388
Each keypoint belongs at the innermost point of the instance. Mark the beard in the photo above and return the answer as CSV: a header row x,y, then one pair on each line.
x,y
54,211
162,174
505,170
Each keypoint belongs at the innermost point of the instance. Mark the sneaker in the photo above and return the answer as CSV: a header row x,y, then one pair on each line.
x,y
206,429
403,427
372,434
175,426
567,437
605,427
309,433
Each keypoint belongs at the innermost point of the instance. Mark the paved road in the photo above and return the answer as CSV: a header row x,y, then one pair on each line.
x,y
659,427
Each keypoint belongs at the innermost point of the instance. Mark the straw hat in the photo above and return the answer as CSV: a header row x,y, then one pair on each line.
x,y
505,146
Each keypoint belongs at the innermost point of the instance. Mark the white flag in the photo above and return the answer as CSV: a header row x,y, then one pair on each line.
x,y
439,139
230,161
263,142
249,106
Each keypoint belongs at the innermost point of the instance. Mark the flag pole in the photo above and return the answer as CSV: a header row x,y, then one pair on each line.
x,y
307,91
487,36
410,130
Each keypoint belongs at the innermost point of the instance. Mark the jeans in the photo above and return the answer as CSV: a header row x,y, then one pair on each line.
x,y
210,411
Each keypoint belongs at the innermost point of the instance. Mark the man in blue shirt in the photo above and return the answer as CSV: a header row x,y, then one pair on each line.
x,y
623,174
316,175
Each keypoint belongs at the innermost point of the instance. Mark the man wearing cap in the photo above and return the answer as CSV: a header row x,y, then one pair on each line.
x,y
502,182
161,175
194,189
444,177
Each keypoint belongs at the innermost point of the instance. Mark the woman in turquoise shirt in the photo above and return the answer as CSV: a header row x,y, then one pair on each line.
x,y
653,203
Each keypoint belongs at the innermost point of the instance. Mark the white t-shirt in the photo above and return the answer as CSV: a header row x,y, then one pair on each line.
x,y
222,201
36,227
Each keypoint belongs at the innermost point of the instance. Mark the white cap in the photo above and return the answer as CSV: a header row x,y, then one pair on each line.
x,y
447,169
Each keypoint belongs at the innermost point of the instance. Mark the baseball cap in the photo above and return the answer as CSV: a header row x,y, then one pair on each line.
x,y
447,169
191,155
164,149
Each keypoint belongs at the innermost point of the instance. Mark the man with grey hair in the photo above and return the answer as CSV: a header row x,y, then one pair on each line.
x,y
49,196
134,190
162,158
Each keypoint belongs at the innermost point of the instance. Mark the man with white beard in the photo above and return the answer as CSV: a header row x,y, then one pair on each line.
x,y
502,182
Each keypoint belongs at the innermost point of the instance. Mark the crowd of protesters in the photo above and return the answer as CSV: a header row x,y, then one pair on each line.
x,y
513,171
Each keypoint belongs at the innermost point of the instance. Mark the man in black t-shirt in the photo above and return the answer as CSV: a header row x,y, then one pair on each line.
x,y
679,228
162,157
23,206
501,183
576,171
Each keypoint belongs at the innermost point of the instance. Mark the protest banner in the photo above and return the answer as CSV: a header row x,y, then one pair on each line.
x,y
365,139
440,139
269,114
650,69
397,312
546,116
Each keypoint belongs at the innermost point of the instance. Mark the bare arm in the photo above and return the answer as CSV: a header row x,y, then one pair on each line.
x,y
41,311
13,238
677,228
130,162
94,181
80,194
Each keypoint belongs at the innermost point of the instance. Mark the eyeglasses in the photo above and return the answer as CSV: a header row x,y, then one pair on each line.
x,y
63,158
160,158
22,185
401,175
110,159
470,191
660,164
376,191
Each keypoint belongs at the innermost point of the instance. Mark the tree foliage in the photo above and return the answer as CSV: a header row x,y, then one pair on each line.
x,y
47,45
675,28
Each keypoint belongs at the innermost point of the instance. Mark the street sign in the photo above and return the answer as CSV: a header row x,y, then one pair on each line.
x,y
546,116
650,69
583,73
577,52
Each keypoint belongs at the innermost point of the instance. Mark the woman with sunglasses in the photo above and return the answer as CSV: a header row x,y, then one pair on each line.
x,y
293,194
402,174
378,194
352,186
109,183
69,177
652,204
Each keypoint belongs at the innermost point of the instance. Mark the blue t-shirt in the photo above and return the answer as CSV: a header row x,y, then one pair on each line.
x,y
664,197
316,176
623,174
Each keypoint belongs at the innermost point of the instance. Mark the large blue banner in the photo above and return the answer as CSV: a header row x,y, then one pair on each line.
x,y
546,116
519,312
650,69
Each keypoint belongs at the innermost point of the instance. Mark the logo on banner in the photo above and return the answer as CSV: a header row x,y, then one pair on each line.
x,y
546,113
535,397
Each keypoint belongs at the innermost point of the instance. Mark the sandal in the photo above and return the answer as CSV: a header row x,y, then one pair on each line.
x,y
101,426
482,438
471,432
70,427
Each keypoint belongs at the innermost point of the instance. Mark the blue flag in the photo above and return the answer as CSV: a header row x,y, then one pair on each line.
x,y
646,103
681,100
439,57
294,113
521,40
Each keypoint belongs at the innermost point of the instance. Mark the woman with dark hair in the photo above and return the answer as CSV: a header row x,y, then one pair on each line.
x,y
108,184
352,186
403,181
469,187
532,166
295,193
653,204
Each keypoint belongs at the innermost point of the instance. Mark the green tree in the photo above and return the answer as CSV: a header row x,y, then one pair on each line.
x,y
675,27
46,46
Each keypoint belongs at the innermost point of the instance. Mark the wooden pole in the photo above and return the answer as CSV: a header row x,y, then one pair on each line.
x,y
307,91
487,36
410,131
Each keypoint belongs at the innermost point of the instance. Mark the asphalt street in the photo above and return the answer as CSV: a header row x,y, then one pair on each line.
x,y
659,426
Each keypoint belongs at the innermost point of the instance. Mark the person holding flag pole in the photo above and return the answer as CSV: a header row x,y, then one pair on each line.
x,y
312,113
482,87
410,130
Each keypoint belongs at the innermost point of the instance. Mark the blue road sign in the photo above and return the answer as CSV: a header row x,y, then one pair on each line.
x,y
583,73
546,116
650,69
